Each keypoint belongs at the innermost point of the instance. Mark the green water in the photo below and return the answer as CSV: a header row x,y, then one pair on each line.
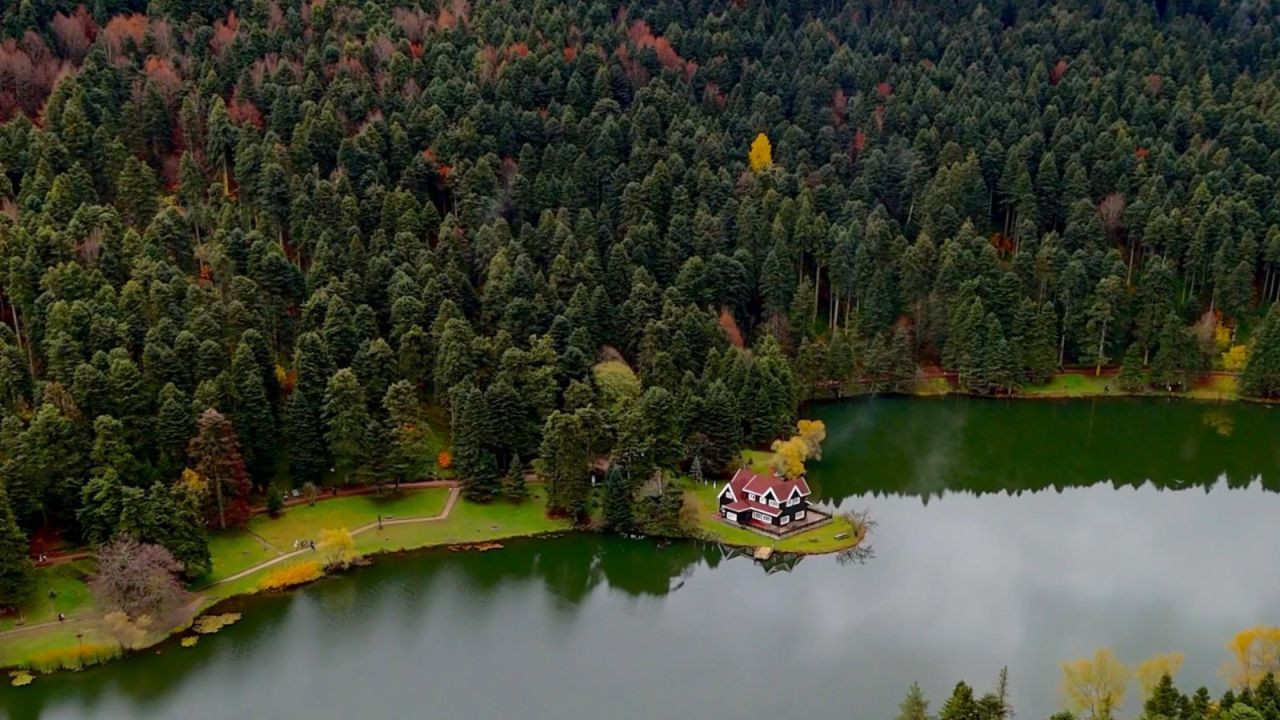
x,y
1016,534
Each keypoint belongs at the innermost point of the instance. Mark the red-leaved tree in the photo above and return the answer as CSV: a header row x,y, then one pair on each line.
x,y
215,456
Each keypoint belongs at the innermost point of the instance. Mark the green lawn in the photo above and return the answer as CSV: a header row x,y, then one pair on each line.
x,y
233,551
468,523
303,522
818,540
69,594
268,537
757,461
933,386
19,649
1074,385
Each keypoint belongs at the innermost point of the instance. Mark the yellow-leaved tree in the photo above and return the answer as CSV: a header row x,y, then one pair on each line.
x,y
1234,359
1254,653
761,155
337,548
1150,671
789,456
1093,688
813,432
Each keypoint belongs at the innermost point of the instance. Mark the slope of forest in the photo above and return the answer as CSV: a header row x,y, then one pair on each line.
x,y
254,239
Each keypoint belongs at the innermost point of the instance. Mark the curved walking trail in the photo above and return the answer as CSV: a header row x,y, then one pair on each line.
x,y
454,491
448,507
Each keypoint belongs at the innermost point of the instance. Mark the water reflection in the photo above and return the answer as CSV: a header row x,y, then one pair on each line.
x,y
1152,539
896,446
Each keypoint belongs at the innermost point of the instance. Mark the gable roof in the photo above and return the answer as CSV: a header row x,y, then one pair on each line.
x,y
744,481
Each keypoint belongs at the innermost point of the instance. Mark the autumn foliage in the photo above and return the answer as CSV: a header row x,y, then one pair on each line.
x,y
760,157
790,455
1254,653
299,574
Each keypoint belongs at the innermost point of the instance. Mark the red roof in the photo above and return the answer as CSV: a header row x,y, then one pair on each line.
x,y
744,481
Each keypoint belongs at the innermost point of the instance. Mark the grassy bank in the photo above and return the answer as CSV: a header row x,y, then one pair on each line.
x,y
267,538
1081,384
411,520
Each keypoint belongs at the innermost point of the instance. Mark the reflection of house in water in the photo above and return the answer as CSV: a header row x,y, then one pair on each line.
x,y
775,562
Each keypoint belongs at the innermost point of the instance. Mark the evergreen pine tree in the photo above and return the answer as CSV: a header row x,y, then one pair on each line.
x,y
1132,376
346,420
914,706
513,484
475,462
617,502
252,416
1261,376
304,416
17,577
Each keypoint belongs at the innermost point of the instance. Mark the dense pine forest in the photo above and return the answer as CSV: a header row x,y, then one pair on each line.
x,y
248,245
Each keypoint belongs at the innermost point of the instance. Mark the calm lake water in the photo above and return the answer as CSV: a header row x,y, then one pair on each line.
x,y
1009,533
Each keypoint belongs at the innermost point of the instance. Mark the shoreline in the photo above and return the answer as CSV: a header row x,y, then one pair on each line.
x,y
471,537
1214,386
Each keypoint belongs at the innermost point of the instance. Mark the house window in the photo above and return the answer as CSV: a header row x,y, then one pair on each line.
x,y
800,515
785,519
751,496
730,516
761,517
793,501
773,503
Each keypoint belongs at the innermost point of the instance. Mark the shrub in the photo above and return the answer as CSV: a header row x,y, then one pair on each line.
x,y
73,658
288,577
444,460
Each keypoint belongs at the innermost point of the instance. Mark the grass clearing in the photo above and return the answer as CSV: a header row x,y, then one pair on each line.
x,y
818,540
757,461
20,649
303,522
59,589
233,551
932,386
468,523
1065,385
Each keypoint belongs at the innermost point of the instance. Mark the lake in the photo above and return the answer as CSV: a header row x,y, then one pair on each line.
x,y
1008,533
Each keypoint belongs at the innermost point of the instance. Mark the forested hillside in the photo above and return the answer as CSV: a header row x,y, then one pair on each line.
x,y
246,242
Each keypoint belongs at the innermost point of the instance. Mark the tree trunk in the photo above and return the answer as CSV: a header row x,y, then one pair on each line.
x,y
217,491
1102,344
17,331
1129,276
817,290
1062,341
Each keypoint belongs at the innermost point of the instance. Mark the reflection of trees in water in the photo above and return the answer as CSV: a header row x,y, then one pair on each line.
x,y
572,566
904,446
1220,420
